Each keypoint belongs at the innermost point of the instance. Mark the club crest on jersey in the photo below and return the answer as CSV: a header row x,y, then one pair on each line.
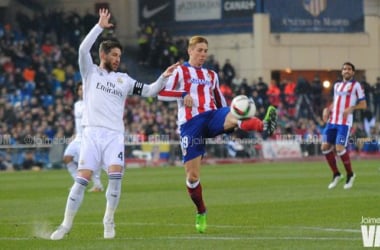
x,y
119,80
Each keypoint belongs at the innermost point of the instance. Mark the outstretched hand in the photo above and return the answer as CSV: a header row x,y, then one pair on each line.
x,y
170,69
104,17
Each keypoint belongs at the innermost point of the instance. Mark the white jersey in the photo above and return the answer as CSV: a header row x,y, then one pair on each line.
x,y
104,93
78,113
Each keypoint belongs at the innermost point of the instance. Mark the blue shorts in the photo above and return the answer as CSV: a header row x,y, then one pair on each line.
x,y
336,134
195,132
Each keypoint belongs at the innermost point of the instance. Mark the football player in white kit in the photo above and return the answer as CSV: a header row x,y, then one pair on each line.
x,y
71,154
104,95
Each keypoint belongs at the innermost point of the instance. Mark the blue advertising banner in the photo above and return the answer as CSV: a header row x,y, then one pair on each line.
x,y
315,16
188,17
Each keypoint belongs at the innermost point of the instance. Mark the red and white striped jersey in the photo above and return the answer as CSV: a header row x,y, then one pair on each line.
x,y
200,83
346,94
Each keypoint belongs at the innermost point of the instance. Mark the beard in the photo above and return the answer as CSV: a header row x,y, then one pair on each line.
x,y
108,66
347,77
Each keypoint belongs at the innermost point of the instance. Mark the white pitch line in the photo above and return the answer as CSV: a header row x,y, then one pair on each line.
x,y
347,230
262,238
328,229
206,237
250,227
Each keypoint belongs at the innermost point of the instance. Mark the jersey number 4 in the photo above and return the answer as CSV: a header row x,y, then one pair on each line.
x,y
120,155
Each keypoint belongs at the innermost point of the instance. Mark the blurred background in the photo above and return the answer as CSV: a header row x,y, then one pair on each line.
x,y
287,53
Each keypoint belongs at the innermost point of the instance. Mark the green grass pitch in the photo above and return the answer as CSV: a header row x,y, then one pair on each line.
x,y
250,206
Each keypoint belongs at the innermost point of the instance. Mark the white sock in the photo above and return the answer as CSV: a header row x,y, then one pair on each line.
x,y
72,167
192,184
96,178
113,196
74,200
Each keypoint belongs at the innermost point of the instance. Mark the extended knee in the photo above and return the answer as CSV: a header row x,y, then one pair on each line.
x,y
192,177
326,148
340,151
84,174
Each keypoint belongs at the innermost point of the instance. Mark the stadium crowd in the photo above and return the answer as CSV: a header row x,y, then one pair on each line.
x,y
39,72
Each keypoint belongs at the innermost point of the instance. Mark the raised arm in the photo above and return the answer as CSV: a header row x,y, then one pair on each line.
x,y
85,60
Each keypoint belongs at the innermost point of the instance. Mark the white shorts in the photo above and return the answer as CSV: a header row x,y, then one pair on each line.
x,y
101,146
73,150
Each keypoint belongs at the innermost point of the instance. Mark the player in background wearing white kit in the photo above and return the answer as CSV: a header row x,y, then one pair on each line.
x,y
71,154
104,94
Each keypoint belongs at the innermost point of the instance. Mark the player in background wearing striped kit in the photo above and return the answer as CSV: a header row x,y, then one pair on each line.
x,y
348,96
104,95
203,113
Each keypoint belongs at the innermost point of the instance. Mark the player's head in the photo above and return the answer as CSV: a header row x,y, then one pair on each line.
x,y
348,71
110,54
350,65
79,90
197,50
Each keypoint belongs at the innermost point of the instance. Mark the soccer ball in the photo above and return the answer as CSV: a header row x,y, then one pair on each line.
x,y
242,107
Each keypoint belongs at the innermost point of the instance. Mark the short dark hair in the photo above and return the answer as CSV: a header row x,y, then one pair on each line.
x,y
349,64
107,45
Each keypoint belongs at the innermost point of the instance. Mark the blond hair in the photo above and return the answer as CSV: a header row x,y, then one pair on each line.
x,y
197,39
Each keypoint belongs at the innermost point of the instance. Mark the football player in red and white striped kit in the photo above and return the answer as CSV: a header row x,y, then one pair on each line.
x,y
348,97
203,113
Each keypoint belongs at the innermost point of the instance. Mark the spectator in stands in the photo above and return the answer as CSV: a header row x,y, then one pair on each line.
x,y
273,94
5,163
29,161
244,88
316,94
376,99
304,106
228,72
259,102
143,42
290,97
368,92
262,89
211,63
